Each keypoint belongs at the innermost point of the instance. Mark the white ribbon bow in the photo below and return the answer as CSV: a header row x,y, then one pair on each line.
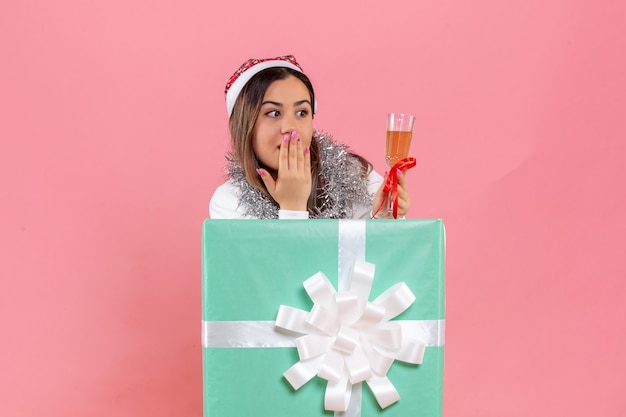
x,y
348,339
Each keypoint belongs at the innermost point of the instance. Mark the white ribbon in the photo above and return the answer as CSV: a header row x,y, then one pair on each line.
x,y
348,339
263,334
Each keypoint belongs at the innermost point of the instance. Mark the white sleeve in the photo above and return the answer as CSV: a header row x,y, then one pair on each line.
x,y
374,181
224,203
292,214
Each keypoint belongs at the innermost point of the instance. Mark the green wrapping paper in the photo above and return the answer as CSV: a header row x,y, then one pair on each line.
x,y
251,267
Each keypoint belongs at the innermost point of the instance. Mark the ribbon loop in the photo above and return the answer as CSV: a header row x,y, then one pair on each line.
x,y
412,352
372,314
323,319
320,290
337,395
347,339
395,300
379,362
312,345
361,279
348,308
332,368
383,390
358,365
303,371
294,319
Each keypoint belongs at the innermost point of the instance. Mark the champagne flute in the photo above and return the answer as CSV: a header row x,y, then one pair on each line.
x,y
397,145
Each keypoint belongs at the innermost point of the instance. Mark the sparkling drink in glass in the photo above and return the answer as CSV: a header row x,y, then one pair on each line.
x,y
397,146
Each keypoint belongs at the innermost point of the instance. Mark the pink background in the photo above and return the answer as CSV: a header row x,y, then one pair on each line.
x,y
113,129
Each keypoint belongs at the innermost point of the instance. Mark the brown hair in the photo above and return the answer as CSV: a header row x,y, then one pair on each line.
x,y
244,116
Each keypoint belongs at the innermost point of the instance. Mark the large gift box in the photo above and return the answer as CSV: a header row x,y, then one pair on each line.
x,y
323,318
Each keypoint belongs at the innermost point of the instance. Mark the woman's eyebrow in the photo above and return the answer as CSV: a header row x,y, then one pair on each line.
x,y
275,103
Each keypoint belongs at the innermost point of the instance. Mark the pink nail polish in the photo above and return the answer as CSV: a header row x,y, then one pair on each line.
x,y
306,150
293,134
286,137
399,172
258,171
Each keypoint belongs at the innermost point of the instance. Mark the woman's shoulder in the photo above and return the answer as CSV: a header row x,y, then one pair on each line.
x,y
228,187
224,203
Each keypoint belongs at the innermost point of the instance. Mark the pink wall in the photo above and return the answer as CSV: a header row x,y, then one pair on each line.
x,y
112,130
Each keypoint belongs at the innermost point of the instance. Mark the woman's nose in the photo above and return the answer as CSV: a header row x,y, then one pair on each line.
x,y
288,125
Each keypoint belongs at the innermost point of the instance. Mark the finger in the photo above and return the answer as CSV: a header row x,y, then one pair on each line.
x,y
283,155
293,151
267,179
403,193
307,160
299,153
404,201
402,178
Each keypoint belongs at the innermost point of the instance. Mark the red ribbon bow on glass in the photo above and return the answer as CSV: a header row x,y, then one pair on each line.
x,y
390,191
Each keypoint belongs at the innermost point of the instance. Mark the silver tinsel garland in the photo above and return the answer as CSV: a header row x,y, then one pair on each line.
x,y
343,178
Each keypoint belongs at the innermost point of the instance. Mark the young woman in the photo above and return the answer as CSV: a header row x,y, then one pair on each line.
x,y
280,166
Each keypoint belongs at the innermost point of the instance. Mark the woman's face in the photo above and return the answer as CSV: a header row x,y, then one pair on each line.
x,y
286,107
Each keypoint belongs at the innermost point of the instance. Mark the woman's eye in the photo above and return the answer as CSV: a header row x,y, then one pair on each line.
x,y
302,113
272,113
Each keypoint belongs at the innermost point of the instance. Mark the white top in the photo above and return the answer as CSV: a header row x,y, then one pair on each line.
x,y
225,202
